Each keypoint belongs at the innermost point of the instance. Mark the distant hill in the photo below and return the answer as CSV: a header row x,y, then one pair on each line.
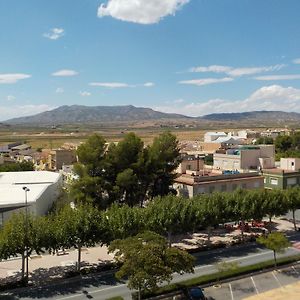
x,y
80,114
93,114
276,116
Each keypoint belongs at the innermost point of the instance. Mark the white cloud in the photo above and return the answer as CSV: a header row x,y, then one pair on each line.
x,y
206,81
59,90
110,85
84,94
140,11
65,73
278,77
235,72
10,98
54,33
14,111
296,61
116,85
274,97
148,84
12,78
213,69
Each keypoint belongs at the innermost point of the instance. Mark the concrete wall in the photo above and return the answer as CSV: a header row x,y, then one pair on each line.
x,y
292,164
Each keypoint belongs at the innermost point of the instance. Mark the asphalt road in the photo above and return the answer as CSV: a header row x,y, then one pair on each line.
x,y
104,286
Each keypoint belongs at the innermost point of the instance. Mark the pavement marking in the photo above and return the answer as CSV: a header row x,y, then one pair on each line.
x,y
276,278
256,290
202,267
295,270
231,293
247,257
92,292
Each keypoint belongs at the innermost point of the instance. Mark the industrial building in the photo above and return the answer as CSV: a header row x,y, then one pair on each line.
x,y
43,189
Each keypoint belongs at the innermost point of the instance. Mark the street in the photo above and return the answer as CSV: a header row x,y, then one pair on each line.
x,y
103,286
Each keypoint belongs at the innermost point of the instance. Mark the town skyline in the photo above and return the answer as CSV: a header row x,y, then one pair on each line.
x,y
181,56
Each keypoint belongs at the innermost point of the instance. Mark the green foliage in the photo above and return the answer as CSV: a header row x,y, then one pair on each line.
x,y
17,167
288,146
276,241
164,158
125,173
264,141
292,198
147,260
20,233
170,214
124,221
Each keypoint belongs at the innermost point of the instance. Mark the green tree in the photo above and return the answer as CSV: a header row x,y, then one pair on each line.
x,y
90,185
292,196
273,204
17,167
124,221
147,261
80,226
170,214
164,158
22,235
283,143
264,140
276,241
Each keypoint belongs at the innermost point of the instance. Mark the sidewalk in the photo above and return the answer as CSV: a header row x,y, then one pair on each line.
x,y
47,267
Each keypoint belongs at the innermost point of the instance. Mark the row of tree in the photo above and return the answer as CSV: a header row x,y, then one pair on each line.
x,y
127,172
85,225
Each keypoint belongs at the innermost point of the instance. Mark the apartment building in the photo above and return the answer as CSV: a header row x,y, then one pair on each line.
x,y
245,158
287,175
189,186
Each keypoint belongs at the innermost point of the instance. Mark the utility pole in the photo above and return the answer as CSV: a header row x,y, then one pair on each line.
x,y
26,189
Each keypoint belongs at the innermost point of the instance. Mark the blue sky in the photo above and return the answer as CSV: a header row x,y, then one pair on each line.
x,y
187,56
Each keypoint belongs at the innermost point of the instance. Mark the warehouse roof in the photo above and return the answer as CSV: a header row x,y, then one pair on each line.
x,y
12,183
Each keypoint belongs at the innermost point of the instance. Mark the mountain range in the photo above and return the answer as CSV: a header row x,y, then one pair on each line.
x,y
80,114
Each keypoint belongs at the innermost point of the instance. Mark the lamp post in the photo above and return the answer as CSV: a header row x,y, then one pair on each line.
x,y
26,189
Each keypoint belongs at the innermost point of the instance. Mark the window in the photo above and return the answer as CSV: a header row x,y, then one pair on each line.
x,y
274,181
223,188
292,181
211,189
188,167
293,163
256,184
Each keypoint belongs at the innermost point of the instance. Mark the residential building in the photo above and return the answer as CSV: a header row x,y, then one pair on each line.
x,y
44,188
287,175
245,158
59,157
190,186
190,164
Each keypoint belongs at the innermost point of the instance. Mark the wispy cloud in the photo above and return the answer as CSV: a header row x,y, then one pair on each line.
x,y
235,72
117,85
59,90
10,98
206,81
12,78
273,97
84,94
296,61
54,33
278,77
110,85
140,11
14,111
148,84
65,73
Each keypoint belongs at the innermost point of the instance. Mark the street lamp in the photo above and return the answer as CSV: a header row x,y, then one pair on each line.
x,y
26,189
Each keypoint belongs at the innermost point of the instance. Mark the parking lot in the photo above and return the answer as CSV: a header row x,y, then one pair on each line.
x,y
255,285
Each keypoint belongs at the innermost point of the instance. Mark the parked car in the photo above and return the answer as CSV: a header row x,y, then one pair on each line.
x,y
196,293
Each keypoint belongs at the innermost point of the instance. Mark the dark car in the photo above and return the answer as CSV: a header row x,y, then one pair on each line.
x,y
196,293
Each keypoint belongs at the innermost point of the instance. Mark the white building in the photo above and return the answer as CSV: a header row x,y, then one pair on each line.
x,y
212,136
44,188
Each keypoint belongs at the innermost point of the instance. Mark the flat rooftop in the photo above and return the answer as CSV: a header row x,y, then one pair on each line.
x,y
215,177
12,183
